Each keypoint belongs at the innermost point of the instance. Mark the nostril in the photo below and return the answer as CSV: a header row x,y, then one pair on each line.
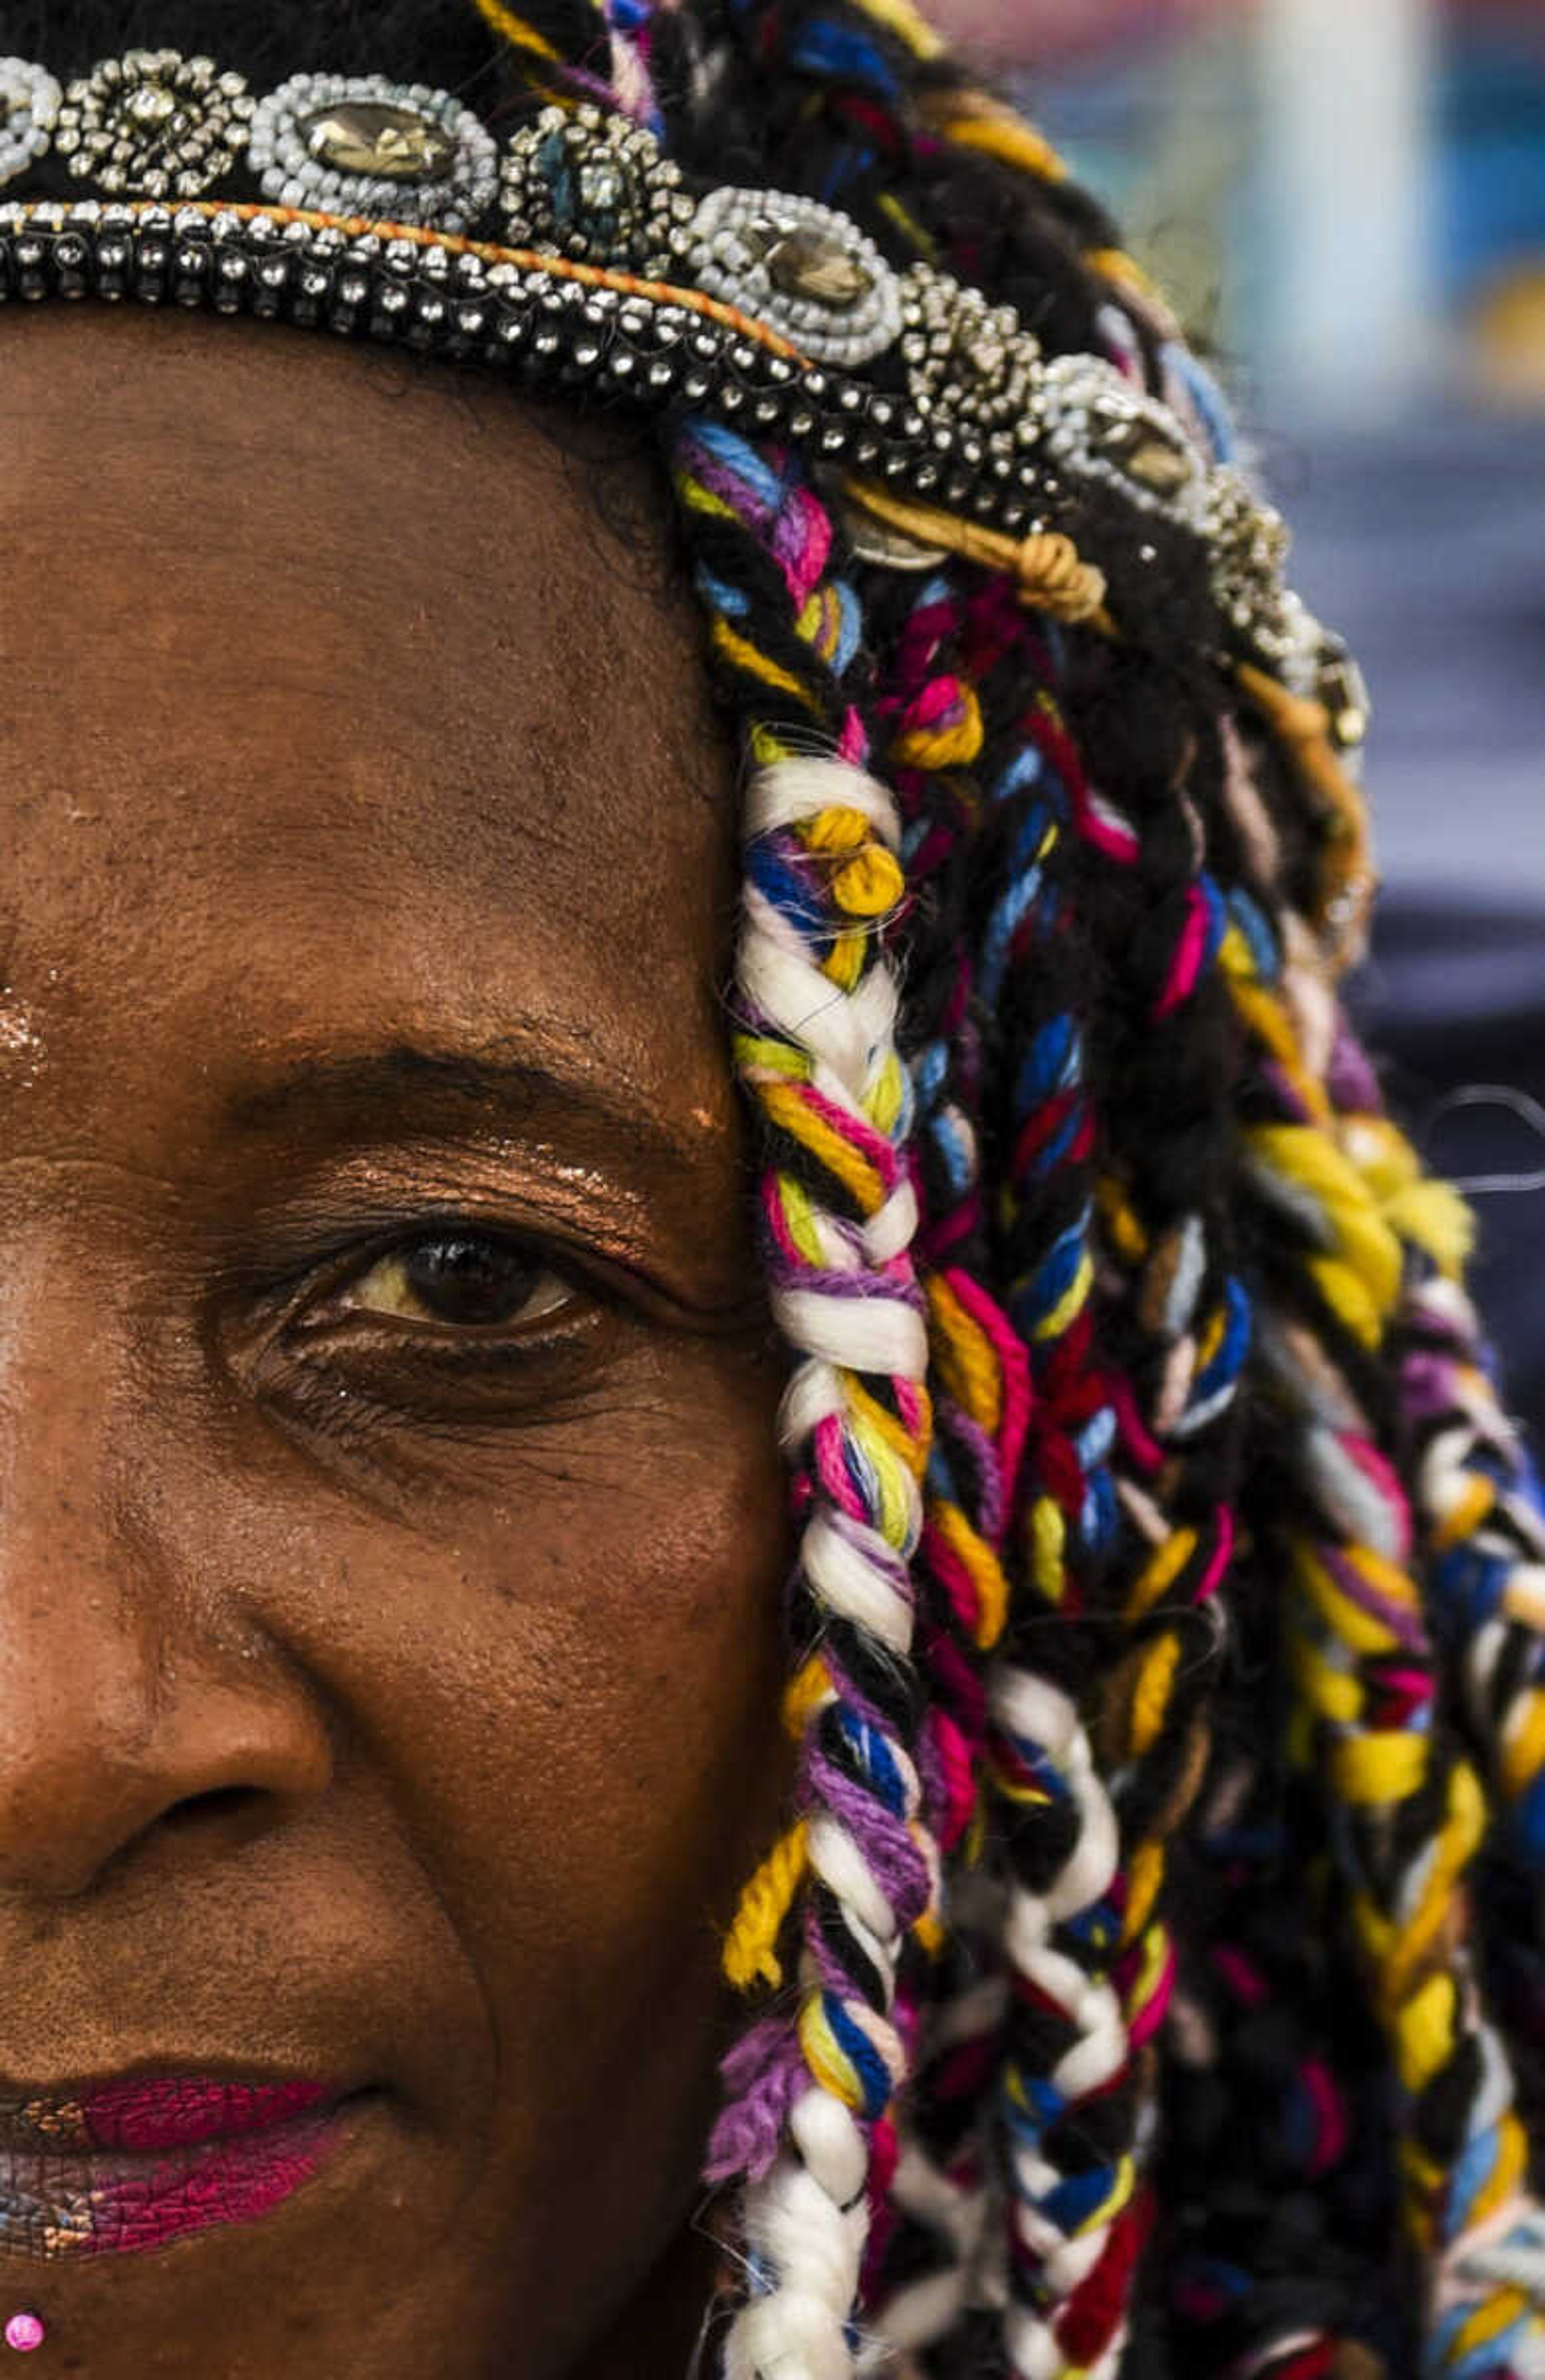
x,y
217,1802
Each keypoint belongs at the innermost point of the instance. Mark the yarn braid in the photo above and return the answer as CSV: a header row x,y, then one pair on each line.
x,y
1065,2092
962,665
1408,1811
1477,1500
927,2240
1173,1320
1293,2281
815,1050
1230,1228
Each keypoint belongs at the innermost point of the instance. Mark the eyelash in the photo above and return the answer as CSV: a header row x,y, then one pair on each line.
x,y
351,1366
525,1254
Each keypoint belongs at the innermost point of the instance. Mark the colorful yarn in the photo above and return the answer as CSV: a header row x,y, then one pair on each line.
x,y
1152,1490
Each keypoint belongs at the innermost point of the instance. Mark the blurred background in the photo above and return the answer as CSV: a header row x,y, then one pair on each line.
x,y
1346,199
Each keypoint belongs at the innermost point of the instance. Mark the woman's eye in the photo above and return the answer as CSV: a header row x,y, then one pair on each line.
x,y
464,1280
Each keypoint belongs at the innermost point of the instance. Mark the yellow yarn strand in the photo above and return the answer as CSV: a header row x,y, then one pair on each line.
x,y
784,1106
750,1953
982,1567
757,664
515,29
899,16
967,1364
806,1692
997,132
1159,1572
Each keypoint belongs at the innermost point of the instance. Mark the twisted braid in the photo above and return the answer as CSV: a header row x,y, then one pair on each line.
x,y
1477,1495
927,2242
1065,2096
1147,1167
962,665
1173,1324
815,1050
1408,1811
1280,2226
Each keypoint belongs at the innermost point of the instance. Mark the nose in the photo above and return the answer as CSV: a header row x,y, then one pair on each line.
x,y
135,1705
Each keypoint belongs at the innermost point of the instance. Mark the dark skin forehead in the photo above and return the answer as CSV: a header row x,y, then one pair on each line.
x,y
370,857
449,673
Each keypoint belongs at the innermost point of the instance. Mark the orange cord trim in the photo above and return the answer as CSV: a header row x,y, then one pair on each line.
x,y
529,260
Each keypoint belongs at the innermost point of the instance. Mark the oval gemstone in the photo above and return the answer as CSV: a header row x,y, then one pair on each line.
x,y
391,144
812,265
1146,455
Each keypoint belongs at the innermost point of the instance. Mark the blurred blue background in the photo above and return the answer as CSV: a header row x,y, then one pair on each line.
x,y
1346,199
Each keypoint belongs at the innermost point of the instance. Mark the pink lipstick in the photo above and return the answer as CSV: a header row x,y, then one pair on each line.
x,y
130,2163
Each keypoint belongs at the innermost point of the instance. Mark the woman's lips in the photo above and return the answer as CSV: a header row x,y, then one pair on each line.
x,y
128,2165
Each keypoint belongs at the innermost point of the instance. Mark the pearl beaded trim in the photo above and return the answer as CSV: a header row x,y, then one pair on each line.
x,y
323,141
801,266
29,101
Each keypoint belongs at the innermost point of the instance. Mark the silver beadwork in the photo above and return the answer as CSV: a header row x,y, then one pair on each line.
x,y
1250,545
153,122
360,144
968,412
30,100
596,188
970,361
802,268
1096,423
1343,690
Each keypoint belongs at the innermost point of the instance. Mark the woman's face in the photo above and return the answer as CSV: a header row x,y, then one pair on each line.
x,y
391,1524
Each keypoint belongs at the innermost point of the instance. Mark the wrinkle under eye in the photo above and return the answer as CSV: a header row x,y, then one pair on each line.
x,y
469,1280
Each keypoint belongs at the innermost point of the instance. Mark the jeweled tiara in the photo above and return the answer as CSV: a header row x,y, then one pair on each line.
x,y
576,251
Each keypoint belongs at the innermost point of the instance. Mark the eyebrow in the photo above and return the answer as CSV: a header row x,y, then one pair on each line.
x,y
394,1091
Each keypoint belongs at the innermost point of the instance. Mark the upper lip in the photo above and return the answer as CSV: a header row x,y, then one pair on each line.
x,y
157,2104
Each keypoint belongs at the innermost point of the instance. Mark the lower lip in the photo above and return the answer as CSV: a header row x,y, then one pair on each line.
x,y
105,2204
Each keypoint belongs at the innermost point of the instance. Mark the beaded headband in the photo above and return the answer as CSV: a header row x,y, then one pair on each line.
x,y
576,253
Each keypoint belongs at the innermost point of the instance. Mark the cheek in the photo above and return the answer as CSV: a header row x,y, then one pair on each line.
x,y
597,1763
651,1720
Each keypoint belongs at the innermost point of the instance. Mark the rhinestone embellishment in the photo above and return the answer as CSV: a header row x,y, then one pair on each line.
x,y
964,414
154,123
1096,424
800,266
597,188
393,144
29,101
970,361
357,144
816,265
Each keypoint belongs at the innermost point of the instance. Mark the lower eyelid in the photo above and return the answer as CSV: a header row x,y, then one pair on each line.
x,y
384,1373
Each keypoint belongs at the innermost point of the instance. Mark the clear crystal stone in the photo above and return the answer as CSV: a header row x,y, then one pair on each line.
x,y
391,144
812,263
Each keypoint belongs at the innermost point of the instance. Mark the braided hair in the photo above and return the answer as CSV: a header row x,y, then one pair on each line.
x,y
1148,1977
